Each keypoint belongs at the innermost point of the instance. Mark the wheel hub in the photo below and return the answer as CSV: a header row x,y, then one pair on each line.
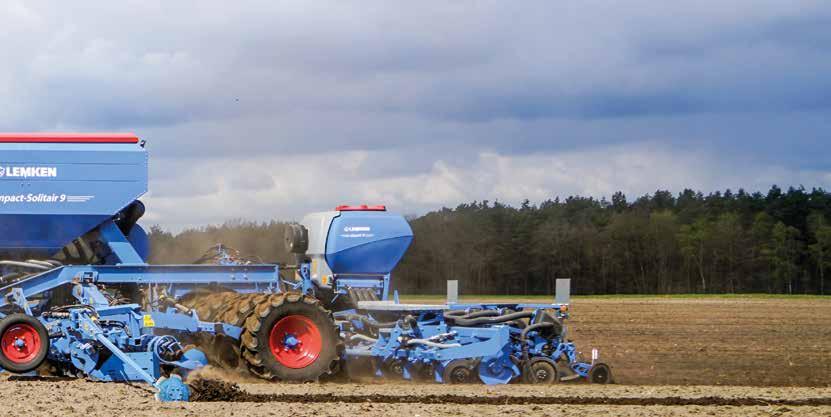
x,y
291,342
461,374
295,341
20,343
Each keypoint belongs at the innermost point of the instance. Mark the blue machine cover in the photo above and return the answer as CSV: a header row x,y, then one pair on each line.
x,y
367,242
51,193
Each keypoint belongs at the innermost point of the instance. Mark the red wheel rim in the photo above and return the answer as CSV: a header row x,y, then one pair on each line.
x,y
295,341
20,343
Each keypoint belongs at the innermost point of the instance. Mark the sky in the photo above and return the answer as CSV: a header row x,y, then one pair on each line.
x,y
272,109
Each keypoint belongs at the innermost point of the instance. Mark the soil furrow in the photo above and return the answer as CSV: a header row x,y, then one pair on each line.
x,y
219,391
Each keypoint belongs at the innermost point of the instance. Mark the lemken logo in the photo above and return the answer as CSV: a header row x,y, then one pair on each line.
x,y
28,172
357,229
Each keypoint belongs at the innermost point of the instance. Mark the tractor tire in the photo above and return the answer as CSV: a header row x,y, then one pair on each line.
x,y
286,336
291,337
24,343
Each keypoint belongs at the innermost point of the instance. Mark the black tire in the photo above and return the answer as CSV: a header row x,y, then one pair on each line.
x,y
541,371
393,369
461,371
256,344
34,328
600,373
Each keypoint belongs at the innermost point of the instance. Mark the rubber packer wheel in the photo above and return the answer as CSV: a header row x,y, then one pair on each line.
x,y
292,338
600,374
541,371
24,343
461,371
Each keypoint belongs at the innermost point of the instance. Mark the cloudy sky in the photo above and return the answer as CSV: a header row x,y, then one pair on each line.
x,y
271,109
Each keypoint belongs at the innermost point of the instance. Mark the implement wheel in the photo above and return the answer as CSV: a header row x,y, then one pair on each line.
x,y
461,371
600,374
540,371
290,337
24,343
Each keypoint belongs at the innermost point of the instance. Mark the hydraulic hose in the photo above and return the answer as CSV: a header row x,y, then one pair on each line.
x,y
46,264
489,320
482,313
29,265
11,276
524,335
462,314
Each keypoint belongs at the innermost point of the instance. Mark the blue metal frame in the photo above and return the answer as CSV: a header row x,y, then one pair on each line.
x,y
177,280
496,347
130,334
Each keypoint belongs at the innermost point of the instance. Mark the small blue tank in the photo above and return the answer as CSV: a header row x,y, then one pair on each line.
x,y
366,240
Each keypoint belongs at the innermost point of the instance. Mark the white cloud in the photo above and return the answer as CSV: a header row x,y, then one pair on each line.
x,y
287,188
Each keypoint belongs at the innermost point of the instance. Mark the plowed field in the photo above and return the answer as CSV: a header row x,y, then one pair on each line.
x,y
681,357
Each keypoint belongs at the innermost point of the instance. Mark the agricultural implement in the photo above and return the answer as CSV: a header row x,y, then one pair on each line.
x,y
79,298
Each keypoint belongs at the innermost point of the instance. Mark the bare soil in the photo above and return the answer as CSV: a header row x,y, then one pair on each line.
x,y
77,398
757,342
680,357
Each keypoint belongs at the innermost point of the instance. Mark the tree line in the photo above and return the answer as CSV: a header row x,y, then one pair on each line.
x,y
722,242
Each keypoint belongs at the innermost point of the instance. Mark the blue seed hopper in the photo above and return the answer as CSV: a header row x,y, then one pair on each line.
x,y
54,189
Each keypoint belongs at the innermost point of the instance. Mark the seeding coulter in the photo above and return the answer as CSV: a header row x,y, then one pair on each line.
x,y
79,299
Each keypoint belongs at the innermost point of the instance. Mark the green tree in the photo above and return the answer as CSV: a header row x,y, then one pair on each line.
x,y
729,248
662,232
821,249
692,239
784,254
657,243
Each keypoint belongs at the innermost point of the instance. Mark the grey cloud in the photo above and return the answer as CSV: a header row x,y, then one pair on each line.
x,y
165,63
372,100
251,182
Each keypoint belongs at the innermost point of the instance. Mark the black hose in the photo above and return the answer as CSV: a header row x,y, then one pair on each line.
x,y
524,335
408,322
489,320
482,313
87,307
